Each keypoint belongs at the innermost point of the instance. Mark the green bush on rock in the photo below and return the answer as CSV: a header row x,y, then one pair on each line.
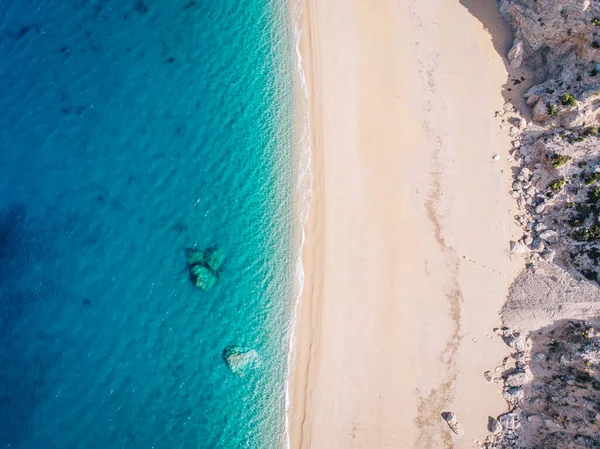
x,y
568,100
558,160
557,184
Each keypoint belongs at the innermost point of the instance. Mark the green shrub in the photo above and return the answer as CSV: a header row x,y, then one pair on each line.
x,y
595,44
583,209
593,194
558,160
590,178
594,254
596,22
568,100
595,232
591,131
582,164
558,184
581,235
552,110
594,72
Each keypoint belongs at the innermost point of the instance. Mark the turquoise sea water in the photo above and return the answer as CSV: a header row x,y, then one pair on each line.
x,y
130,130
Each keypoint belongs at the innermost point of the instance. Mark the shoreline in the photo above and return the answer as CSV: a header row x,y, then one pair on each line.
x,y
343,385
302,197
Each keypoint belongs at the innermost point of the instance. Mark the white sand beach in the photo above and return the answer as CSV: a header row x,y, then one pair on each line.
x,y
406,258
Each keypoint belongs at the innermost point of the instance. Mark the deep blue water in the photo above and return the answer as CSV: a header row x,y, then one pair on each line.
x,y
129,131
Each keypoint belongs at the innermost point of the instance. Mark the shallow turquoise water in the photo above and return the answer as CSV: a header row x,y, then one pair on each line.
x,y
131,130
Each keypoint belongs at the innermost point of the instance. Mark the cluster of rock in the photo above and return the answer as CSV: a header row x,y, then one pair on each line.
x,y
204,266
557,186
557,189
514,373
550,381
560,40
563,391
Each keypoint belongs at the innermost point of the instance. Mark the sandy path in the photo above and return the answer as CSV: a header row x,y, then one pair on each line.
x,y
406,257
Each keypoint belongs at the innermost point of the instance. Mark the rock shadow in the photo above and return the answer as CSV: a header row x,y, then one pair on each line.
x,y
562,401
519,80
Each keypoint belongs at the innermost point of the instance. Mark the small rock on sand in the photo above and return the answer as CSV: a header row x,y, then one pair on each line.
x,y
488,376
518,248
452,422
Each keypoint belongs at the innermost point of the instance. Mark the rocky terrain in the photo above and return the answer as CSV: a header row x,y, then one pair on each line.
x,y
550,380
551,383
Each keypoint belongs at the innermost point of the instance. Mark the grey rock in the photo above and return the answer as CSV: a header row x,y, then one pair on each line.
x,y
495,427
452,422
540,112
508,107
508,421
538,245
513,394
549,255
517,379
549,236
515,341
515,54
518,248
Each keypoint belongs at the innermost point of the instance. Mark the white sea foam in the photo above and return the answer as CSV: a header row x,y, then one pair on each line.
x,y
302,194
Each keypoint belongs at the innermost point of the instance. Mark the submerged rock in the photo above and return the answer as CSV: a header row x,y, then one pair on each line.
x,y
203,277
194,256
213,258
240,360
204,265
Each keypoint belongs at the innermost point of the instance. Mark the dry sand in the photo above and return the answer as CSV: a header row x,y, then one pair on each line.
x,y
406,258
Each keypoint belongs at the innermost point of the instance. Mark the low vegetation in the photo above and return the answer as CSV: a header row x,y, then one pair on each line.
x,y
568,100
558,184
558,160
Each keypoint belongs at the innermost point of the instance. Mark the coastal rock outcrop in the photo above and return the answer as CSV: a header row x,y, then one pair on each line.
x,y
204,266
550,380
239,360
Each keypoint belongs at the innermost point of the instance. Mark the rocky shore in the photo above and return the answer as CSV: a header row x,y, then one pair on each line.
x,y
551,379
